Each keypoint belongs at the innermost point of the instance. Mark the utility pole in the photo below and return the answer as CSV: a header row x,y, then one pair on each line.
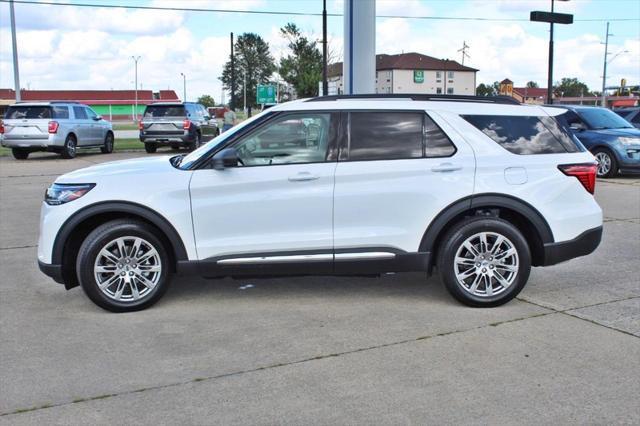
x,y
233,78
135,60
550,71
184,87
604,72
14,43
325,83
465,46
244,102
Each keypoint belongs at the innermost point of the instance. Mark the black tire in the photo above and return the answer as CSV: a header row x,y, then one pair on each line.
x,y
70,147
453,241
150,147
604,155
107,147
98,240
175,147
196,142
20,153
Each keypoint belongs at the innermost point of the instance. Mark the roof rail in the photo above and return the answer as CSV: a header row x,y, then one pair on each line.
x,y
47,102
421,97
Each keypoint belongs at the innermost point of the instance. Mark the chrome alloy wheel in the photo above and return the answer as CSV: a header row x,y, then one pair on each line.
x,y
486,264
127,269
604,163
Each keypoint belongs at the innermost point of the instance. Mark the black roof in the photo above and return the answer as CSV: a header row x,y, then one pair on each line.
x,y
422,97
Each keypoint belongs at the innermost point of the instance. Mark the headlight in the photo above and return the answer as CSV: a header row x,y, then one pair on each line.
x,y
629,141
60,193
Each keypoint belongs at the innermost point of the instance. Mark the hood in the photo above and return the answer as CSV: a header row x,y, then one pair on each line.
x,y
119,169
632,132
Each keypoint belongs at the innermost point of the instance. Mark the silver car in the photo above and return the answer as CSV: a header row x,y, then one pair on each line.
x,y
60,127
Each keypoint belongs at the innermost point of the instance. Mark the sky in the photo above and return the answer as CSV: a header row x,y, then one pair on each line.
x,y
70,47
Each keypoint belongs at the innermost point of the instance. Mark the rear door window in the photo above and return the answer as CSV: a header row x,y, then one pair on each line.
x,y
525,134
385,135
160,111
18,112
79,112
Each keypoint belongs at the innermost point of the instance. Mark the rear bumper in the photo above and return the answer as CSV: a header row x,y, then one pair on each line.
x,y
27,143
168,138
52,271
582,245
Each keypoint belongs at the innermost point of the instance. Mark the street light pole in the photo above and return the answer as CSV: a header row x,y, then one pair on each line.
x,y
184,87
550,69
135,60
604,72
14,43
244,86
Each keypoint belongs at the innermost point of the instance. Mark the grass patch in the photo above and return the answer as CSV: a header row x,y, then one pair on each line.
x,y
126,125
120,145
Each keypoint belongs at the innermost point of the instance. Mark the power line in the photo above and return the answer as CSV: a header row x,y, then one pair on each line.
x,y
273,12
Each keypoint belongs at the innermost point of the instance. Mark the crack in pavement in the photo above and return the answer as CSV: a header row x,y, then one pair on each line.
x,y
18,247
272,366
613,219
550,311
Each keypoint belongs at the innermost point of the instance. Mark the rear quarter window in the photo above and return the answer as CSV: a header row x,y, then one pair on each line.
x,y
525,135
60,112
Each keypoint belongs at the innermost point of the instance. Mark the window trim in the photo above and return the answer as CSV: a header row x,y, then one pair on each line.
x,y
345,141
334,117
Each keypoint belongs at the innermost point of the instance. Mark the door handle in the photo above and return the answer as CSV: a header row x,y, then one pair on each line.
x,y
302,177
445,167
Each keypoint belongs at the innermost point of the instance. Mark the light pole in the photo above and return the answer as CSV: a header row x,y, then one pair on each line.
x,y
135,60
244,86
14,44
184,87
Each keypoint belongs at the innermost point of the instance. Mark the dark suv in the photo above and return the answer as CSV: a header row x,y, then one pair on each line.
x,y
176,124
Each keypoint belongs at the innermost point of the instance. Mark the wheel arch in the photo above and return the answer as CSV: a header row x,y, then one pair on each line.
x,y
521,214
74,231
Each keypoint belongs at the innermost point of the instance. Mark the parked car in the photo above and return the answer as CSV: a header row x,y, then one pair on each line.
x,y
478,188
613,140
62,127
185,124
631,114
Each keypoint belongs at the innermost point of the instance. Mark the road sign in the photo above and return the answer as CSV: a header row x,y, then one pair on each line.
x,y
551,17
266,94
418,76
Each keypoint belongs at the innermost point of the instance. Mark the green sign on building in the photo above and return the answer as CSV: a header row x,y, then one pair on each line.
x,y
418,76
266,94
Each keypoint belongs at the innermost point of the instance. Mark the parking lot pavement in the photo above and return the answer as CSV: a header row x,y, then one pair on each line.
x,y
395,349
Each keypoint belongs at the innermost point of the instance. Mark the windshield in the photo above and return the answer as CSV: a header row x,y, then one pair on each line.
x,y
194,156
601,118
158,111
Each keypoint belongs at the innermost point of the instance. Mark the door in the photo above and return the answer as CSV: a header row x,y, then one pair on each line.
x,y
275,209
397,170
82,126
207,127
96,127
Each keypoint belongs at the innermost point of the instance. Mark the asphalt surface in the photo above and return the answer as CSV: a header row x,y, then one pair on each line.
x,y
321,350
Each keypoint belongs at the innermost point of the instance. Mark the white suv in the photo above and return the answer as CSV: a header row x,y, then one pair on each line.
x,y
479,188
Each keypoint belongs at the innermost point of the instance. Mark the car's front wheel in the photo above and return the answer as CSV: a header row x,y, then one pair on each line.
x,y
107,146
123,266
484,261
607,164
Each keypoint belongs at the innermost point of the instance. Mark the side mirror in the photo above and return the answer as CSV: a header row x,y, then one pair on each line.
x,y
578,127
97,118
226,158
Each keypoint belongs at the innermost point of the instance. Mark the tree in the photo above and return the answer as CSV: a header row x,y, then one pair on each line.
x,y
488,90
303,67
571,87
254,62
207,101
532,84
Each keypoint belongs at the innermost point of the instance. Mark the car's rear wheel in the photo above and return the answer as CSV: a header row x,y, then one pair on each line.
x,y
607,164
123,266
20,153
175,147
70,147
107,147
484,261
196,142
150,147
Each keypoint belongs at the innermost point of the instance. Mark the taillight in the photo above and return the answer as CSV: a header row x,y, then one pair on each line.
x,y
140,125
585,173
186,124
1,128
53,127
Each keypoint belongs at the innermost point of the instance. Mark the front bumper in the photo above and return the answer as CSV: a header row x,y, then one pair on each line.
x,y
582,245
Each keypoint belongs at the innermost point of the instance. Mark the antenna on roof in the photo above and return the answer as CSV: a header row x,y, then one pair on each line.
x,y
465,46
